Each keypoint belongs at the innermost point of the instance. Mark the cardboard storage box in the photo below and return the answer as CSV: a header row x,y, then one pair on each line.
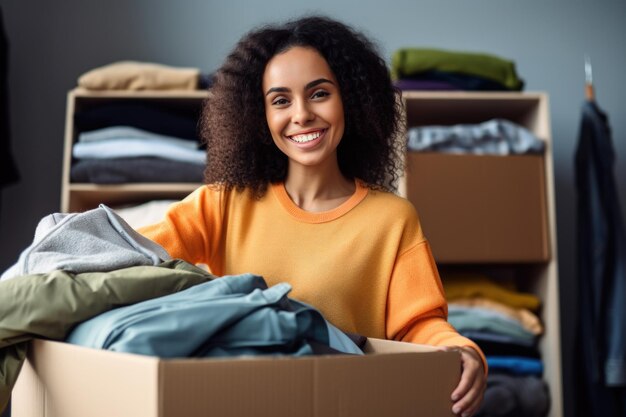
x,y
481,208
392,380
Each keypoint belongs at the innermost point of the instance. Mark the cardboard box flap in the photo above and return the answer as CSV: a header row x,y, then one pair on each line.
x,y
390,346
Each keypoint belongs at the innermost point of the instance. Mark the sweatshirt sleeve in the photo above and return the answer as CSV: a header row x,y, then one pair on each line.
x,y
191,228
417,310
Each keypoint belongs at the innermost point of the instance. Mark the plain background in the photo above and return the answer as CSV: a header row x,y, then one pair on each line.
x,y
53,42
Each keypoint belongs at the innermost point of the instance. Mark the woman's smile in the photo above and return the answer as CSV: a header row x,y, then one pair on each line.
x,y
308,138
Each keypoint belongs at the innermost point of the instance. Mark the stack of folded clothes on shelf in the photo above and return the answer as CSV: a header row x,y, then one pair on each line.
x,y
131,140
134,75
493,137
123,154
504,323
437,69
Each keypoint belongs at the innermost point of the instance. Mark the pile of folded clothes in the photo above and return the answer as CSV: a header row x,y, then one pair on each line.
x,y
90,279
505,324
139,140
493,137
134,75
437,69
124,154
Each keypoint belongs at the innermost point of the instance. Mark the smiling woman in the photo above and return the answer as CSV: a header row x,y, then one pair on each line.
x,y
353,73
303,150
305,117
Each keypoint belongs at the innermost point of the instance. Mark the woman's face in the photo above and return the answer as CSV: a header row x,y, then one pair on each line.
x,y
303,107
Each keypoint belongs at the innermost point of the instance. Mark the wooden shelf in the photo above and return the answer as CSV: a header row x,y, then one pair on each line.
x,y
456,196
81,197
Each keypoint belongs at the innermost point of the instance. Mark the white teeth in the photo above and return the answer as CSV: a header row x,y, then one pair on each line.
x,y
306,137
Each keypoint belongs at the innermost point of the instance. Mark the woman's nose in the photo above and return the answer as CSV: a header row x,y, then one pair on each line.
x,y
302,113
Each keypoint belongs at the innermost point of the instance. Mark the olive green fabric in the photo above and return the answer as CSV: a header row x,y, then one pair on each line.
x,y
410,62
50,305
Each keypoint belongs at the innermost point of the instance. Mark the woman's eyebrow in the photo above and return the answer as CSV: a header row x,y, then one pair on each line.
x,y
306,87
277,90
317,82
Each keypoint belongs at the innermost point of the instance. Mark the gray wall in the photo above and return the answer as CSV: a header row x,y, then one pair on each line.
x,y
53,42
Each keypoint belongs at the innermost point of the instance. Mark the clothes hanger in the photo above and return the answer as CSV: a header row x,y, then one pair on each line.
x,y
589,93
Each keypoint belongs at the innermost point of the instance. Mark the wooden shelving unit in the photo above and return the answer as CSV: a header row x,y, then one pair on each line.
x,y
534,270
535,273
81,196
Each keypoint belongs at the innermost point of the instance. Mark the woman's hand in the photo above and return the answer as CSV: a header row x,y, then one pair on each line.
x,y
468,395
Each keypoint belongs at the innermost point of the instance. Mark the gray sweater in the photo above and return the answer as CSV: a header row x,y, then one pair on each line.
x,y
94,241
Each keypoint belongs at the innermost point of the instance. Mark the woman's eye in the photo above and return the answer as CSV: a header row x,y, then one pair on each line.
x,y
320,94
279,101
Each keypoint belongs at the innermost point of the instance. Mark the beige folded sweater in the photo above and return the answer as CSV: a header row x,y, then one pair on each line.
x,y
131,75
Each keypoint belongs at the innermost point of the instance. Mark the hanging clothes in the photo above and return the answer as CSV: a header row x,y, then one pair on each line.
x,y
8,170
601,273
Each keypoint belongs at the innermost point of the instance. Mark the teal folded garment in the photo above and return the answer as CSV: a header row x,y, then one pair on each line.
x,y
474,319
410,62
231,316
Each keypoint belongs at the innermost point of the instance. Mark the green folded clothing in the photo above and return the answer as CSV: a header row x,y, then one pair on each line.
x,y
411,62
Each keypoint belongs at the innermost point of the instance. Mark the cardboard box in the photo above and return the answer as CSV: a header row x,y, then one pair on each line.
x,y
393,380
481,208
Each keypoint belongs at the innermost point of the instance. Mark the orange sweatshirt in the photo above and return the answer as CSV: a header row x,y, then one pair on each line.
x,y
365,264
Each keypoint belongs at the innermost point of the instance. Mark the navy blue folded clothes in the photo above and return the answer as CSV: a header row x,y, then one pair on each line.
x,y
131,170
180,121
408,84
463,81
501,348
515,396
515,365
205,80
498,337
229,316
493,137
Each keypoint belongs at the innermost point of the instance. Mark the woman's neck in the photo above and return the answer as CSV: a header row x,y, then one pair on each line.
x,y
318,190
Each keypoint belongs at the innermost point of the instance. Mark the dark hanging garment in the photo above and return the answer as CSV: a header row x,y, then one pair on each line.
x,y
8,171
600,359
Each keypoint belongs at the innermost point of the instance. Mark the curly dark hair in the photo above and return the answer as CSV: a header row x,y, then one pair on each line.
x,y
240,150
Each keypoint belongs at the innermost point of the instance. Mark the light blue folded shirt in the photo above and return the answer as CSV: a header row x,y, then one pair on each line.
x,y
128,142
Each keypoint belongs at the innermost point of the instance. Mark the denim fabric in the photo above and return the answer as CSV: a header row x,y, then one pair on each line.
x,y
601,273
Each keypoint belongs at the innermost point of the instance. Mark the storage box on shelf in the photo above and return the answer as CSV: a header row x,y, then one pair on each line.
x,y
491,214
85,196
